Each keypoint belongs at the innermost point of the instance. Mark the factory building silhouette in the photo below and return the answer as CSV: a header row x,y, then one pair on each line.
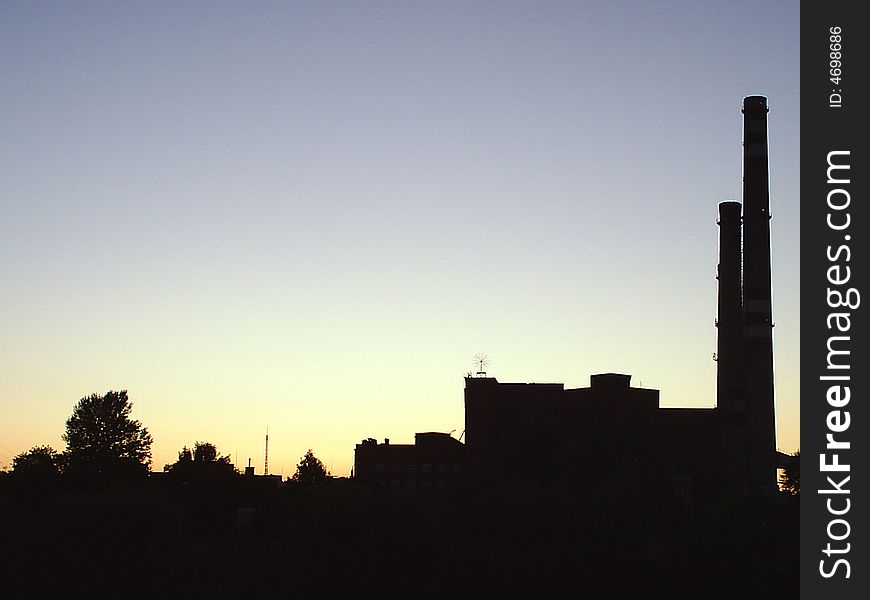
x,y
545,432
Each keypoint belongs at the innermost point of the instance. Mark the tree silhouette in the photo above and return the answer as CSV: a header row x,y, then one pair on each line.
x,y
310,470
203,459
35,474
206,452
39,462
185,460
103,441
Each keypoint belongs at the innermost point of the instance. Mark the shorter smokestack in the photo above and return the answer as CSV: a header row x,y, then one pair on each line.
x,y
729,321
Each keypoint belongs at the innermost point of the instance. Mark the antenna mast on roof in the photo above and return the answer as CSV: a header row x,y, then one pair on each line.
x,y
482,361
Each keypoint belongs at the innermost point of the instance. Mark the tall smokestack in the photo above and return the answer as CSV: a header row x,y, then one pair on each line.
x,y
729,373
757,321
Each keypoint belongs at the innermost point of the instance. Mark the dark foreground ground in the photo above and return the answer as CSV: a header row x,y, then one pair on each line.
x,y
170,539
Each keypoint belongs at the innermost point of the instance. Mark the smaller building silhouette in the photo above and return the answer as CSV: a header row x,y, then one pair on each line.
x,y
434,462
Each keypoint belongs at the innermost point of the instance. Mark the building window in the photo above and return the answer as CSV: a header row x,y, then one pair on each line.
x,y
379,467
395,469
442,469
412,469
427,468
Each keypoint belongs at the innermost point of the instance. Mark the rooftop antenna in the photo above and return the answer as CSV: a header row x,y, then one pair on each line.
x,y
266,466
482,361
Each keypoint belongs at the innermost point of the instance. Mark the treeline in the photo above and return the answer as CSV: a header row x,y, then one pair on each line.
x,y
105,446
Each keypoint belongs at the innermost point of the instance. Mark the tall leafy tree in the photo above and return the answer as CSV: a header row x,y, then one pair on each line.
x,y
103,440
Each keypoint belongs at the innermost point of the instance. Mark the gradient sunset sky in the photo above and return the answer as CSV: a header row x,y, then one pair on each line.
x,y
312,215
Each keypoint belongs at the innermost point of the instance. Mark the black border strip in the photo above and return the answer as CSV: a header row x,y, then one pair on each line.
x,y
832,112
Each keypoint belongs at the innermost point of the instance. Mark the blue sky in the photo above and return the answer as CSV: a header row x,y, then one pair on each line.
x,y
312,216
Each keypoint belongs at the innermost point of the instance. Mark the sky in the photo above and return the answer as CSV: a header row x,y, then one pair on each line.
x,y
312,216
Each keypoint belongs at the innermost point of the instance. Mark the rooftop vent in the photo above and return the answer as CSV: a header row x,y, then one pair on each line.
x,y
610,380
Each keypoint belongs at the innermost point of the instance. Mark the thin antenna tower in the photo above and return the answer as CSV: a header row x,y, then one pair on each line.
x,y
266,466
